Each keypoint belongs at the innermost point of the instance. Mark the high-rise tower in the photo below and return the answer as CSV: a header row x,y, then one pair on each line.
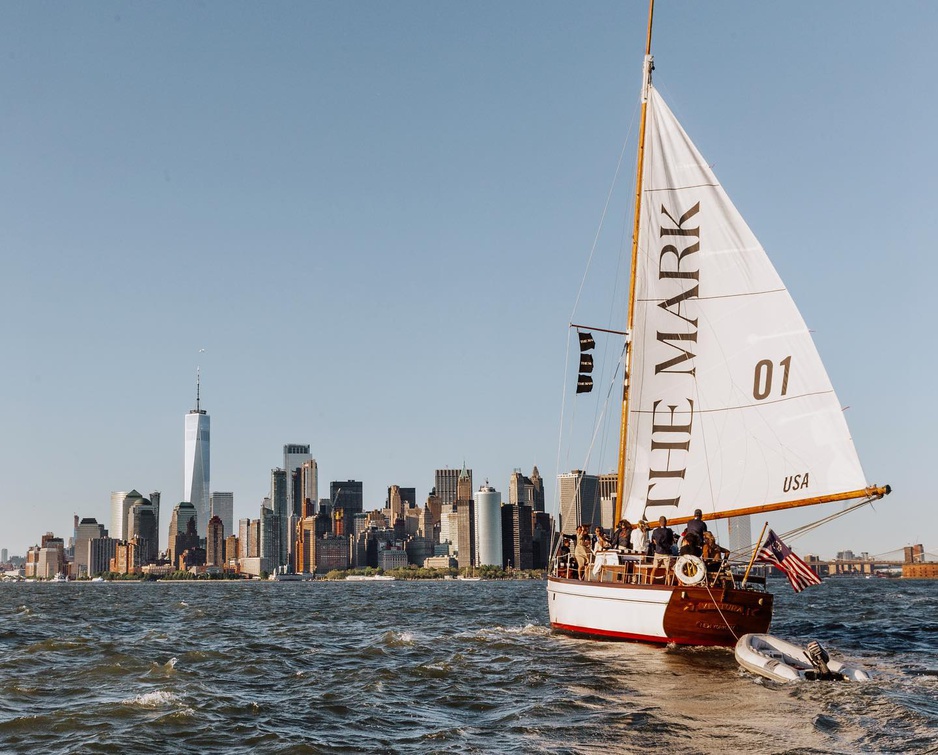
x,y
196,489
295,455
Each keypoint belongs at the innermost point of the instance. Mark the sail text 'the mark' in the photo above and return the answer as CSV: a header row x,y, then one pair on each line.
x,y
671,434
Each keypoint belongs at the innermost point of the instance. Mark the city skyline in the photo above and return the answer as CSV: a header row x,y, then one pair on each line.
x,y
429,178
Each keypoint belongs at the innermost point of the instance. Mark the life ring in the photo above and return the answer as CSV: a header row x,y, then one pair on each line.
x,y
690,570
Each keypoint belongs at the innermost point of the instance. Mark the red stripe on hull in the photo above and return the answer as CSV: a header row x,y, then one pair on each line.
x,y
629,637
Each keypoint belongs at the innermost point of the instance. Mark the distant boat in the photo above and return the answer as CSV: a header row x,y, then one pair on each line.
x,y
60,578
98,579
469,579
726,406
371,578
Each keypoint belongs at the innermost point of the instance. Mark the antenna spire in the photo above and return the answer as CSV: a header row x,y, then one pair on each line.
x,y
198,386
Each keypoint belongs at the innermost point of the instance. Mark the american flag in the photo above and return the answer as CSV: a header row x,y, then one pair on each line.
x,y
775,552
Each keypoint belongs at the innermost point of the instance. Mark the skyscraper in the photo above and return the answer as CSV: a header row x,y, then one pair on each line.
x,y
278,501
119,515
446,482
740,534
488,522
309,484
196,487
579,499
295,455
222,506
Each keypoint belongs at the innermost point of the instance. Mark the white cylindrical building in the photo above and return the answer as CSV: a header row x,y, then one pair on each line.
x,y
488,526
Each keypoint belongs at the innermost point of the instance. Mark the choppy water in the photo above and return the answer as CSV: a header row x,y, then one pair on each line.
x,y
438,667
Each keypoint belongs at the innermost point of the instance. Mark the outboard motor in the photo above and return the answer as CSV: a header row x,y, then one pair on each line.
x,y
819,658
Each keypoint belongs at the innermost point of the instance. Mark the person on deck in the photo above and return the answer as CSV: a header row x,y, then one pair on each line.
x,y
599,541
690,545
711,550
697,525
640,538
663,540
582,554
622,537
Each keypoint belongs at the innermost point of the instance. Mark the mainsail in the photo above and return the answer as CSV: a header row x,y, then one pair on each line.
x,y
729,404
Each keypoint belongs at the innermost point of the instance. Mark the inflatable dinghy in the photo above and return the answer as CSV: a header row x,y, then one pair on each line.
x,y
783,661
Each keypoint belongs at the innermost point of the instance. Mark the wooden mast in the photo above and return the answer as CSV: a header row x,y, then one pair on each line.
x,y
640,163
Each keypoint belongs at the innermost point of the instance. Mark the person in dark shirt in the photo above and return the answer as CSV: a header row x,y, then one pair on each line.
x,y
622,537
697,525
662,540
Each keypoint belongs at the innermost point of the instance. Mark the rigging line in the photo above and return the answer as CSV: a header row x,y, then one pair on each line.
x,y
598,426
716,605
740,407
602,218
799,531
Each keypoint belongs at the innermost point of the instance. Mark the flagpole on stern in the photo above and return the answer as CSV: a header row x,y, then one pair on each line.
x,y
754,552
647,67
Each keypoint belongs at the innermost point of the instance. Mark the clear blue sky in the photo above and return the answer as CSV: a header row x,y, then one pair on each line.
x,y
375,216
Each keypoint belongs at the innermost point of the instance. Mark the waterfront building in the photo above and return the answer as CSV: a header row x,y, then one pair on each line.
x,y
608,489
517,540
141,527
462,530
270,547
196,484
119,514
254,547
527,490
244,537
488,527
579,499
541,536
331,552
183,526
222,506
127,557
439,562
419,549
155,503
49,558
87,530
278,503
231,552
392,558
305,560
215,542
100,552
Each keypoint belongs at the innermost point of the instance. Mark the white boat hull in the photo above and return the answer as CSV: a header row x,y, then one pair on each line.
x,y
656,613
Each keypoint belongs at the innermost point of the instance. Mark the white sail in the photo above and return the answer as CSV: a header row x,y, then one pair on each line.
x,y
730,406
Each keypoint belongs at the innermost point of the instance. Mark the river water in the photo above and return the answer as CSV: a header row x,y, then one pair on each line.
x,y
439,667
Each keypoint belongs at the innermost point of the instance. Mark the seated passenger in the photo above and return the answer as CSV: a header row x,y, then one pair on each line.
x,y
599,541
711,551
690,545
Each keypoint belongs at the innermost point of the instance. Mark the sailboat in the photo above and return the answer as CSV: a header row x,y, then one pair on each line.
x,y
726,406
